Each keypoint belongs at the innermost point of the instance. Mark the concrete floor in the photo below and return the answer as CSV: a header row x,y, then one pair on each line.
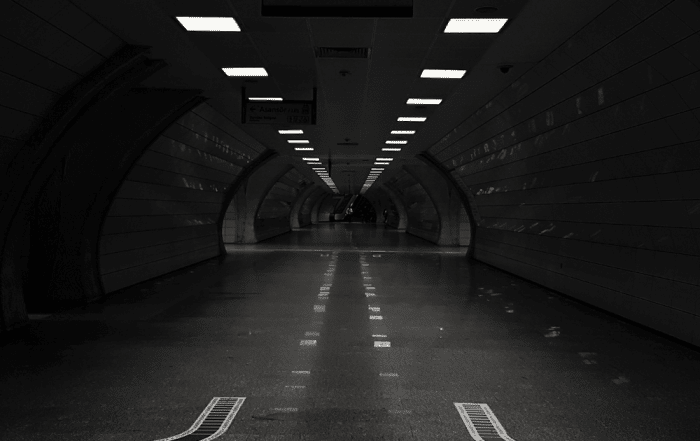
x,y
143,364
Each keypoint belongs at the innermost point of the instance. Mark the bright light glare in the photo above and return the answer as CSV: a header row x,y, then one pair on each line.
x,y
303,148
412,118
475,25
397,141
310,159
290,132
403,132
245,71
264,98
382,163
384,159
391,149
377,168
298,141
210,24
431,101
442,73
318,168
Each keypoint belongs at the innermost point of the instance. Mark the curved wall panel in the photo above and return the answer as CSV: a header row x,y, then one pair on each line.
x,y
423,218
164,216
585,171
272,218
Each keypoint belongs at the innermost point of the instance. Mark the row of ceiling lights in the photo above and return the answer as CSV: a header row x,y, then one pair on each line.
x,y
455,25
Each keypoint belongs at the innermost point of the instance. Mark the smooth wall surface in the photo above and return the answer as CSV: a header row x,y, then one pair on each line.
x,y
586,169
164,215
272,218
423,219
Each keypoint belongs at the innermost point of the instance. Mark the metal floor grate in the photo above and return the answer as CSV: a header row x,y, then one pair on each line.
x,y
481,422
213,421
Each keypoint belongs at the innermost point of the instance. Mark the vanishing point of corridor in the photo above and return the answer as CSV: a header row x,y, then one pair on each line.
x,y
340,332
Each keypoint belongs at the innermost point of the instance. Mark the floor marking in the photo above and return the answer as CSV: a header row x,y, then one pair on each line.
x,y
388,374
319,308
370,294
375,317
481,422
382,344
302,372
374,308
378,335
312,334
214,420
307,343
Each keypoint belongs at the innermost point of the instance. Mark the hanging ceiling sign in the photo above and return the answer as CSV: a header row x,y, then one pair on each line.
x,y
279,112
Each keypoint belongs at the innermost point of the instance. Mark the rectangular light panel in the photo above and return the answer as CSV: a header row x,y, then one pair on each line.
x,y
298,141
310,159
303,148
475,25
384,159
264,98
245,71
442,73
403,132
397,141
382,163
412,118
291,132
318,168
391,149
428,101
209,24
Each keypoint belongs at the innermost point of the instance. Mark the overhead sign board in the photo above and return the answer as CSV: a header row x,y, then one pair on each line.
x,y
275,112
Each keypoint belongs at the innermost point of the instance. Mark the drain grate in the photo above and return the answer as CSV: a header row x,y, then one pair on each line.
x,y
481,422
214,420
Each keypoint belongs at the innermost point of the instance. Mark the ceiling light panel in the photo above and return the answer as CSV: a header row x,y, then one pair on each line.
x,y
412,118
299,149
209,24
382,163
245,71
298,141
475,25
403,132
310,159
391,149
396,141
424,101
264,98
318,168
290,132
442,73
384,159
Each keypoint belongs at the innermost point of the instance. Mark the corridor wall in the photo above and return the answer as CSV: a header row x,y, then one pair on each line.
x,y
585,170
272,218
164,216
422,216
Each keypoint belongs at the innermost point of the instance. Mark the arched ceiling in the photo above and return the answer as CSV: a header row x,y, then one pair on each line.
x,y
363,105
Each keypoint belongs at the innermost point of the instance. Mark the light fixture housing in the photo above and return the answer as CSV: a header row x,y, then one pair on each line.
x,y
310,159
298,141
391,149
411,118
314,163
442,73
303,148
245,71
291,132
403,132
396,141
209,24
318,168
475,25
384,159
382,163
264,98
424,101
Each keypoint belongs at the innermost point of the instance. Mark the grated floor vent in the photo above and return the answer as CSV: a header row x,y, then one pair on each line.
x,y
481,422
213,421
342,52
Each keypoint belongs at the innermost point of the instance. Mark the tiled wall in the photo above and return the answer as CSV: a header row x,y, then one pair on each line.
x,y
423,219
272,218
164,215
46,48
586,170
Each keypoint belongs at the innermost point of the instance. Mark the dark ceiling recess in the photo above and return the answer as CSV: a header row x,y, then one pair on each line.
x,y
342,52
486,10
346,143
338,8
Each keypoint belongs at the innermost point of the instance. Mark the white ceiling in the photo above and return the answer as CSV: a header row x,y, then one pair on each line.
x,y
363,105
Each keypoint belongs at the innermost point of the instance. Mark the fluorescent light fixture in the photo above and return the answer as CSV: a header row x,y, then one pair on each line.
x,y
290,132
412,118
403,132
264,98
475,25
245,71
210,24
314,163
382,163
299,149
318,168
397,141
298,141
430,101
442,73
384,159
375,168
391,149
310,159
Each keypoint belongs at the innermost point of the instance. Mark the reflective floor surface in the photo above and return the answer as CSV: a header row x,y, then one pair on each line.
x,y
345,343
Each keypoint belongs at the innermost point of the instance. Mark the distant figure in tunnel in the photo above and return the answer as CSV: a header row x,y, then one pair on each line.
x,y
385,214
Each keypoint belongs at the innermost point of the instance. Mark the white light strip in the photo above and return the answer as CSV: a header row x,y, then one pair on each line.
x,y
377,168
412,118
298,141
429,101
384,159
382,163
391,149
318,168
209,24
442,73
264,98
475,25
397,141
245,71
310,159
314,163
290,132
303,149
403,132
